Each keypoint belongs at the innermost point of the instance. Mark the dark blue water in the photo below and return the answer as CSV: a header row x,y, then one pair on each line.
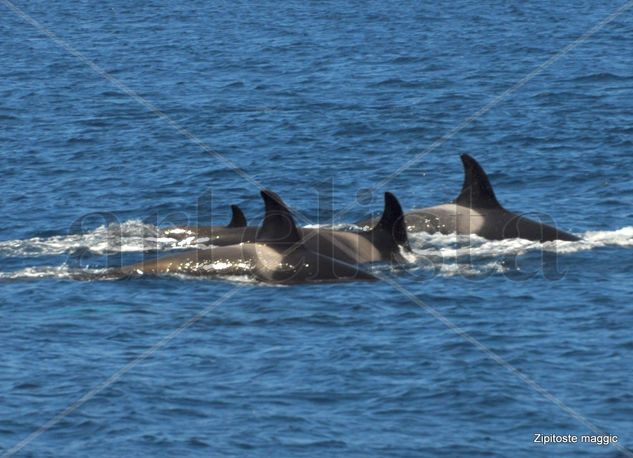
x,y
316,101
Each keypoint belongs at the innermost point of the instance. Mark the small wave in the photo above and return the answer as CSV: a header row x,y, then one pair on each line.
x,y
622,237
131,236
397,83
336,227
242,279
37,272
455,246
65,272
470,270
408,60
57,272
110,93
599,77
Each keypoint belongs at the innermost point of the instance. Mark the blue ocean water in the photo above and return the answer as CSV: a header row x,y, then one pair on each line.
x,y
319,101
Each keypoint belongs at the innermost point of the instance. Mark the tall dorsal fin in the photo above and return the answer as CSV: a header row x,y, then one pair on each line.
x,y
237,219
392,225
477,191
278,226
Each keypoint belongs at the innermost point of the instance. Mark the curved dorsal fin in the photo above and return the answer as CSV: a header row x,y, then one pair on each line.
x,y
237,219
477,191
278,226
392,224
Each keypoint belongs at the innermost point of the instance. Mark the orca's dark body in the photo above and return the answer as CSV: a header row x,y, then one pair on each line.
x,y
277,256
233,233
382,243
477,211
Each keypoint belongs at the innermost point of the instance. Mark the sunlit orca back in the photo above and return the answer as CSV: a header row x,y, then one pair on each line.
x,y
236,231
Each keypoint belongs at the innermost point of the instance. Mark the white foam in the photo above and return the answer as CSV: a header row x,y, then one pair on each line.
x,y
131,236
471,270
472,255
177,230
455,246
451,254
335,227
59,272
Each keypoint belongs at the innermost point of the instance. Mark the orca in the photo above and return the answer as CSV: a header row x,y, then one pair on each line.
x,y
386,241
278,255
477,211
236,231
382,243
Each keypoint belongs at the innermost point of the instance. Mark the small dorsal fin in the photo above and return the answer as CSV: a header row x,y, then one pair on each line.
x,y
278,226
237,219
477,191
392,224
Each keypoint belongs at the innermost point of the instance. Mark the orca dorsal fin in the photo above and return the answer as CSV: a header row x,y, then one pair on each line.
x,y
278,226
237,219
477,191
392,225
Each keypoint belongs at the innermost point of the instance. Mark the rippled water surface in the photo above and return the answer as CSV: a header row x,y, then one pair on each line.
x,y
187,108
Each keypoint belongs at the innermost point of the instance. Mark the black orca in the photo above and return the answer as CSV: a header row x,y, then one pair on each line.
x,y
235,232
477,211
278,255
382,243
